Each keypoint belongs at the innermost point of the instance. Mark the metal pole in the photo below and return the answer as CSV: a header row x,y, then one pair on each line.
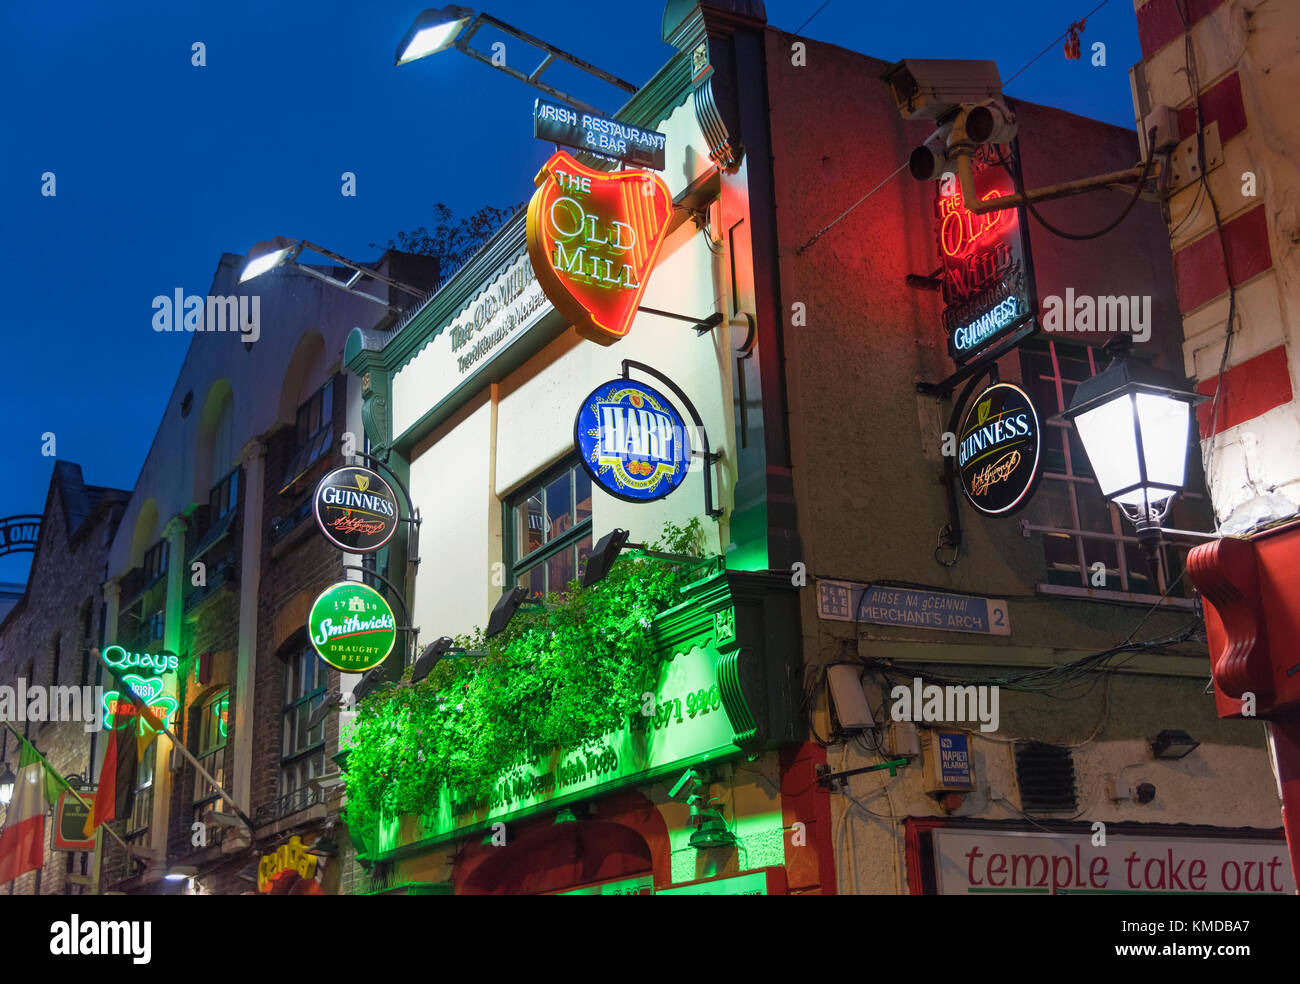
x,y
75,794
179,745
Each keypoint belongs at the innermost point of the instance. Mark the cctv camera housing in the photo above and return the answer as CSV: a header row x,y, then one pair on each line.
x,y
927,164
991,122
927,88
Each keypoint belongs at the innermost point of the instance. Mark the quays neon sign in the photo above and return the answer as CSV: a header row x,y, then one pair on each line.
x,y
120,659
594,238
632,441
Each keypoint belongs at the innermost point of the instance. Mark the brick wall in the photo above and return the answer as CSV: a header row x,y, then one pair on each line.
x,y
64,586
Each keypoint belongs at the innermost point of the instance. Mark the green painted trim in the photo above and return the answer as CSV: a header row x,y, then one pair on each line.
x,y
648,107
549,327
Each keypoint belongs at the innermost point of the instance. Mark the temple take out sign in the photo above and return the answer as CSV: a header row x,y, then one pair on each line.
x,y
594,237
973,862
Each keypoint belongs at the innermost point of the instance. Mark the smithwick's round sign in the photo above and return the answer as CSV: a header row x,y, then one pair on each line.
x,y
352,627
998,450
632,441
355,509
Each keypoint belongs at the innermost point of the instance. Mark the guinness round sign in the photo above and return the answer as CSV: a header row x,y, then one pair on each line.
x,y
998,450
632,441
356,509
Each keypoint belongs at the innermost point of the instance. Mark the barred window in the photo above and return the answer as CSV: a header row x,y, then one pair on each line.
x,y
1088,546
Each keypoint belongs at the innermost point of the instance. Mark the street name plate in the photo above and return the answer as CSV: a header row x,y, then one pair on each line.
x,y
846,601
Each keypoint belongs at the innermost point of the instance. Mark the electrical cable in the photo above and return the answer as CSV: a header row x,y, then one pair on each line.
x,y
1053,44
1083,237
1194,84
811,16
816,236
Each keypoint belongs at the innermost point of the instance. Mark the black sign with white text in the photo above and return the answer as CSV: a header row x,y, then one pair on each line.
x,y
999,448
599,135
356,509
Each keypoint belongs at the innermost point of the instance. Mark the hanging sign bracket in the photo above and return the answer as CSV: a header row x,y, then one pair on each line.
x,y
710,457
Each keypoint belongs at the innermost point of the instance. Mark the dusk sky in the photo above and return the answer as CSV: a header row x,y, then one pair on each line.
x,y
161,166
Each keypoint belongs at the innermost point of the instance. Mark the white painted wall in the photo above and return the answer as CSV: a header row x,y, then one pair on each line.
x,y
462,472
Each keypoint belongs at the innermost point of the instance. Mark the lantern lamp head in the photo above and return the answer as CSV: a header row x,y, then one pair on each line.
x,y
1134,421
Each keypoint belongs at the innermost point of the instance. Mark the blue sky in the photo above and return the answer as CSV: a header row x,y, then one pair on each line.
x,y
161,166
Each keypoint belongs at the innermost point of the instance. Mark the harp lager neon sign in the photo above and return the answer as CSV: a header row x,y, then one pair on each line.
x,y
593,238
633,442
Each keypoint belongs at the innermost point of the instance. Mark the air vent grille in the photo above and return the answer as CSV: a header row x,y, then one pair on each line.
x,y
1046,777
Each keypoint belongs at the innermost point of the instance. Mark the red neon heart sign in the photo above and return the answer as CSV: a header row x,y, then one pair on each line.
x,y
594,237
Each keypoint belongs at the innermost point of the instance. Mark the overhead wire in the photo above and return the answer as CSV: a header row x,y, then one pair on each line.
x,y
839,218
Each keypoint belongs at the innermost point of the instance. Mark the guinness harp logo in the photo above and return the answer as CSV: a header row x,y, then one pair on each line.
x,y
356,509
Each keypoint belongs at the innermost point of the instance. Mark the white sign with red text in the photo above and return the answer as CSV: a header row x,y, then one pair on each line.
x,y
971,862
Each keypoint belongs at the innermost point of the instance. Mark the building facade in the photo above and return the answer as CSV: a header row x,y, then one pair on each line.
x,y
50,639
1213,81
829,488
217,562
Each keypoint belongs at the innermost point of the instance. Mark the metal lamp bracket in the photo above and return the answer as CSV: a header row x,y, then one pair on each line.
x,y
710,457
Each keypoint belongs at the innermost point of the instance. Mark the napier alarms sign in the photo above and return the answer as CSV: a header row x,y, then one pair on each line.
x,y
632,441
355,509
998,450
352,627
593,238
987,273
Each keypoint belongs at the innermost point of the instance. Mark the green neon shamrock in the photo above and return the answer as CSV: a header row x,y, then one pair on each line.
x,y
150,692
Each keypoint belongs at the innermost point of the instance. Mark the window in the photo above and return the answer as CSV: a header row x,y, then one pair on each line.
x,y
313,437
1082,529
302,750
223,498
549,530
315,415
155,561
137,826
211,721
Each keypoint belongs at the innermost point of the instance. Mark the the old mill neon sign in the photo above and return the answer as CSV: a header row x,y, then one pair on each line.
x,y
593,238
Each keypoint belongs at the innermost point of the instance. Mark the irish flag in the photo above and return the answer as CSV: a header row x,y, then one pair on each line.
x,y
22,842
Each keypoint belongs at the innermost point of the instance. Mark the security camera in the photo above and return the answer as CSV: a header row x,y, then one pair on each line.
x,y
689,777
930,160
991,122
929,88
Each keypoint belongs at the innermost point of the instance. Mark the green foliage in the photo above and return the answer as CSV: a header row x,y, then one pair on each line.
x,y
556,677
451,240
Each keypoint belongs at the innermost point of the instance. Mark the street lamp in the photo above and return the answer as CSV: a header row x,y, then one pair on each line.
x,y
280,251
433,31
1134,422
265,256
7,781
454,26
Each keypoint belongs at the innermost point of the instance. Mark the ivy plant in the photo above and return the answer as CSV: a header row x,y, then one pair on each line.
x,y
559,676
